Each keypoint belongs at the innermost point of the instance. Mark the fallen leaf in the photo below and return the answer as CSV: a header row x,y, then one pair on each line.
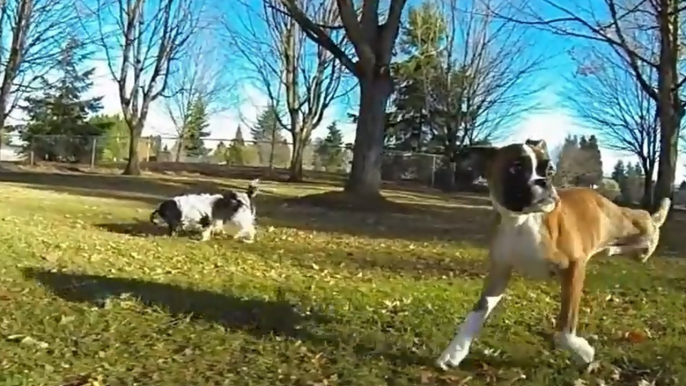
x,y
33,342
66,319
635,336
643,382
425,377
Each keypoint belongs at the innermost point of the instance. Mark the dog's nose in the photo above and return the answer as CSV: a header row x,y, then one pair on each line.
x,y
542,182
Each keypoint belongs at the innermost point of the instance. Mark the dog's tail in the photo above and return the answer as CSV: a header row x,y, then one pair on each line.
x,y
252,188
660,216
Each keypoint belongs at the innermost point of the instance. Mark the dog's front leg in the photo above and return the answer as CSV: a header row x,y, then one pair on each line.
x,y
494,286
572,281
206,233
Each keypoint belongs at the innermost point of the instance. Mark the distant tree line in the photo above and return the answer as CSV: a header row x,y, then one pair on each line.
x,y
270,147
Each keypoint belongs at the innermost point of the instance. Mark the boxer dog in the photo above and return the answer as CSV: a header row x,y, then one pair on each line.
x,y
542,233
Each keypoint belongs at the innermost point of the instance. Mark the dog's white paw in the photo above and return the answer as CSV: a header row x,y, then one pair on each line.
x,y
452,356
582,350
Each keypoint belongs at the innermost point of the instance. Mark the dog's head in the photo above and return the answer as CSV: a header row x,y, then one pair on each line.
x,y
519,176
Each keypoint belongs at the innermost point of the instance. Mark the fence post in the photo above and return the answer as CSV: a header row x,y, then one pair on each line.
x,y
31,153
94,145
433,170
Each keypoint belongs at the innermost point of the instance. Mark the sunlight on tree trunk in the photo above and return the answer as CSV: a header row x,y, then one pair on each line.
x,y
373,42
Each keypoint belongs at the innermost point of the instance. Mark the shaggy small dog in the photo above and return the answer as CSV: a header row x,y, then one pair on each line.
x,y
209,212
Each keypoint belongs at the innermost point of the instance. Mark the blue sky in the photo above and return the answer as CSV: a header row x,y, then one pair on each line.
x,y
551,122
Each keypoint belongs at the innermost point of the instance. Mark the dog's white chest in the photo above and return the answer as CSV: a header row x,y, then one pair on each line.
x,y
518,242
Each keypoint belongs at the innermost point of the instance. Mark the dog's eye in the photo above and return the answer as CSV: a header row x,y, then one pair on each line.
x,y
516,167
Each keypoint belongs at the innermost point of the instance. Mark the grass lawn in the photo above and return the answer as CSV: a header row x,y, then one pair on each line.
x,y
91,294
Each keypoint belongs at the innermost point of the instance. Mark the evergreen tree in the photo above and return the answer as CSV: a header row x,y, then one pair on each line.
x,y
58,126
220,153
238,139
619,172
114,143
330,151
195,129
268,137
590,162
633,186
567,166
267,126
237,149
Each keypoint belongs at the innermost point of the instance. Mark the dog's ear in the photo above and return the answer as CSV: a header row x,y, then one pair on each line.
x,y
538,144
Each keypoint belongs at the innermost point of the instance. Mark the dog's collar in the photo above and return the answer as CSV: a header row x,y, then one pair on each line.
x,y
545,209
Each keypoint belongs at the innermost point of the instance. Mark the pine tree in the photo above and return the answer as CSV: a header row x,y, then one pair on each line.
x,y
567,164
268,137
114,143
196,129
633,186
238,139
590,161
330,151
220,153
235,152
62,113
267,126
619,172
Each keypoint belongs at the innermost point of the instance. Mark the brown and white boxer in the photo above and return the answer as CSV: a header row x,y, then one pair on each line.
x,y
542,233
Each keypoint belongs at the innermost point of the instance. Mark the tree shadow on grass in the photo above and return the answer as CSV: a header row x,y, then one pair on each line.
x,y
417,216
256,316
468,221
147,190
353,260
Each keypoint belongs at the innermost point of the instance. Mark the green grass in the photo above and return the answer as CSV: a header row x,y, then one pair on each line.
x,y
92,294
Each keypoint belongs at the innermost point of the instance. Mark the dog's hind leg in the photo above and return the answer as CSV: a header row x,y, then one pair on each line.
x,y
250,230
247,235
494,287
218,227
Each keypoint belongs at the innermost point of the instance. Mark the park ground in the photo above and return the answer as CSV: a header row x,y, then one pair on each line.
x,y
92,294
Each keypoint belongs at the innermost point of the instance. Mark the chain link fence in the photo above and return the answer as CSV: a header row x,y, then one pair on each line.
x,y
210,156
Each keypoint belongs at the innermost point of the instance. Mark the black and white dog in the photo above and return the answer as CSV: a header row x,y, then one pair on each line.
x,y
209,212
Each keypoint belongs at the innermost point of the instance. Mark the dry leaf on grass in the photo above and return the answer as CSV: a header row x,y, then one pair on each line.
x,y
635,336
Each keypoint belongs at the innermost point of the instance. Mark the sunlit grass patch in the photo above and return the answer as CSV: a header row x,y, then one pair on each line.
x,y
324,297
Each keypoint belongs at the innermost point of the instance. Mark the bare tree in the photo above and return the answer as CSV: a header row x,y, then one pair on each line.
x,y
32,33
483,80
622,26
141,47
372,38
199,75
299,76
605,93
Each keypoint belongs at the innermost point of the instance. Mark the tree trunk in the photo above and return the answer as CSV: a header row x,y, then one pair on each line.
x,y
179,147
296,167
669,108
648,170
132,168
365,176
664,186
